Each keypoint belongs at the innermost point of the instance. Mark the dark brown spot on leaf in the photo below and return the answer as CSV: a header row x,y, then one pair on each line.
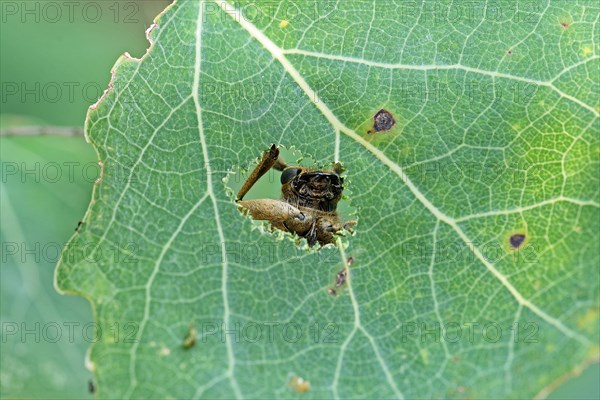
x,y
517,240
383,121
332,292
341,277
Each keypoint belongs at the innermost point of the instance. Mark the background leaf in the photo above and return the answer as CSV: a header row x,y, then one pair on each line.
x,y
43,343
52,64
495,135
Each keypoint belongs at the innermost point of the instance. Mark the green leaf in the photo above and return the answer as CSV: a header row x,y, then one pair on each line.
x,y
496,135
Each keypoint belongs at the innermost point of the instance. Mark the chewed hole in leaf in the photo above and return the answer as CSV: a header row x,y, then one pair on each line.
x,y
297,198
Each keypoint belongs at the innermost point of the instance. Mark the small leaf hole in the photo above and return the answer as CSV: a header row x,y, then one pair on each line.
x,y
314,208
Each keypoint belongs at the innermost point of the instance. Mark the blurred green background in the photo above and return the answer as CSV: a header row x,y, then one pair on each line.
x,y
55,60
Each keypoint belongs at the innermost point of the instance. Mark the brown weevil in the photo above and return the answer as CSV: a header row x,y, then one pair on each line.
x,y
308,201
